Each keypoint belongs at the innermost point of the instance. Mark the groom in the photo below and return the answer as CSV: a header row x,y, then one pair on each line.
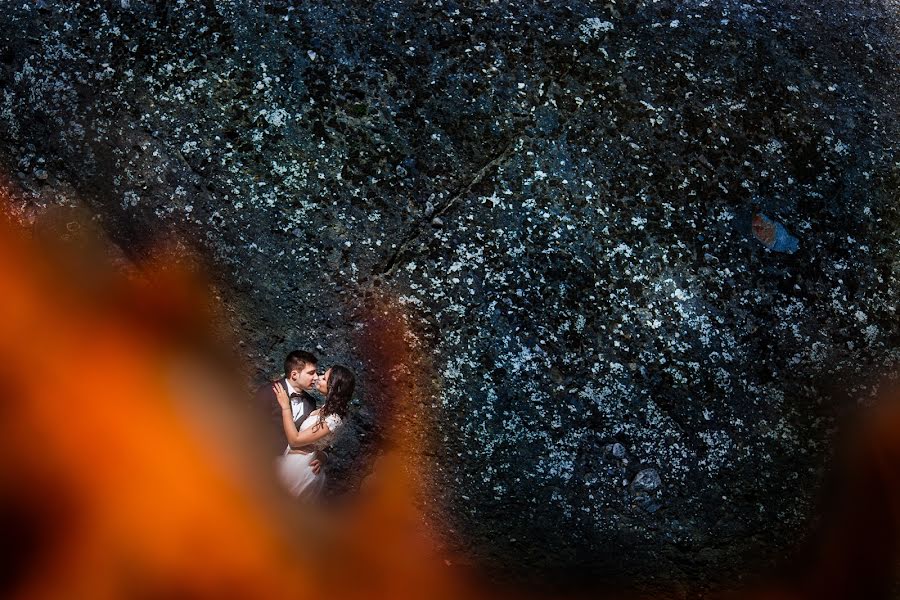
x,y
299,376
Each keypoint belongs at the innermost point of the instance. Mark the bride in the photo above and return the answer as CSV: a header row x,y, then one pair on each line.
x,y
314,433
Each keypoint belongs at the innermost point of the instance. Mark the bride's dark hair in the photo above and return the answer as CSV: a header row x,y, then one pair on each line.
x,y
341,384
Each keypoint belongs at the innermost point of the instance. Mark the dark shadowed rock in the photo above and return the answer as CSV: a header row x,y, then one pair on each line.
x,y
646,481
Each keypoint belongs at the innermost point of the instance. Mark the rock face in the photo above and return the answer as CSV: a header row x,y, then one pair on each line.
x,y
630,385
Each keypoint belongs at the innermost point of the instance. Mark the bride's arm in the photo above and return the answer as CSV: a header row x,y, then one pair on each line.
x,y
295,437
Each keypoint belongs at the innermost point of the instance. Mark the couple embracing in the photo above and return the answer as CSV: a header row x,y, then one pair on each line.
x,y
298,431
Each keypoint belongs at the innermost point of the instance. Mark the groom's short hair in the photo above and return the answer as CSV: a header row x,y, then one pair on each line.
x,y
298,359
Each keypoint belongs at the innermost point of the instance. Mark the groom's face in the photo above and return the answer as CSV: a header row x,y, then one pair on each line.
x,y
303,378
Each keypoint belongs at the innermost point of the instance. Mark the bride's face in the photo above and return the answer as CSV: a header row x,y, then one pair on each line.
x,y
322,382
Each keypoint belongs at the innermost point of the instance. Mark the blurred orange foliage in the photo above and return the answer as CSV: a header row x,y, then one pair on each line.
x,y
128,465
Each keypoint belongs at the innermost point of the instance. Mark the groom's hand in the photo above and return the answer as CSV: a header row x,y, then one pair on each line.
x,y
316,463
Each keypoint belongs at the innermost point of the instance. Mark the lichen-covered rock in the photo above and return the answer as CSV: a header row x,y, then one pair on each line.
x,y
559,193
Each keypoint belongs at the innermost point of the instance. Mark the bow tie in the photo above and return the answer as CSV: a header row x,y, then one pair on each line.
x,y
294,396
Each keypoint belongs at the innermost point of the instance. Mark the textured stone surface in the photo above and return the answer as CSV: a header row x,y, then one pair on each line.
x,y
559,193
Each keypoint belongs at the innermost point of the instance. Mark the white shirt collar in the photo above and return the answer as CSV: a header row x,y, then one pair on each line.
x,y
291,390
296,401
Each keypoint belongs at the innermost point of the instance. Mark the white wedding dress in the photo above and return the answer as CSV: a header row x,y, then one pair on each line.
x,y
293,466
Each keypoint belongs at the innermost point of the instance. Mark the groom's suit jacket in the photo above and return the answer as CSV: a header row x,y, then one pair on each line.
x,y
269,408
